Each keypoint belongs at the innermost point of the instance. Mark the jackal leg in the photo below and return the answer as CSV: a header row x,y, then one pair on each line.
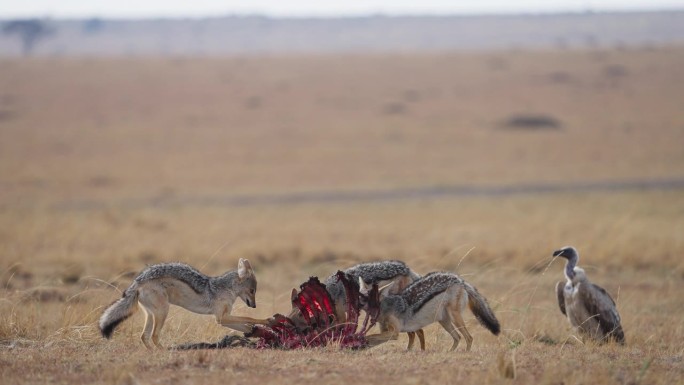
x,y
241,324
156,307
412,337
451,329
149,326
421,338
377,339
383,328
389,331
159,318
460,326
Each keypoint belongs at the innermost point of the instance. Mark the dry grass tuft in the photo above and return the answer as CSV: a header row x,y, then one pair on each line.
x,y
506,364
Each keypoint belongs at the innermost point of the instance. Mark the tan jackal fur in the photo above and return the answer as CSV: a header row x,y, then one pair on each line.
x,y
159,286
383,273
436,297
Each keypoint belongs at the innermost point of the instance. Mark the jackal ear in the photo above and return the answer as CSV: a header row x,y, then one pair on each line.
x,y
363,287
293,297
244,268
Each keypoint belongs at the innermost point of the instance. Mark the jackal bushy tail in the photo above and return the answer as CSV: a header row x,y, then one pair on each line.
x,y
480,308
117,312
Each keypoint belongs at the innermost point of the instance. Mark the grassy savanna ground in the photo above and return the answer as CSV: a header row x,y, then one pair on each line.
x,y
107,165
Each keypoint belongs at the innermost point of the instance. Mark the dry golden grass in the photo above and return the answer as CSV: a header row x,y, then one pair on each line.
x,y
108,165
631,251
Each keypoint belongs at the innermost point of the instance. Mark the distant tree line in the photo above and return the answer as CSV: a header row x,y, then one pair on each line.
x,y
28,31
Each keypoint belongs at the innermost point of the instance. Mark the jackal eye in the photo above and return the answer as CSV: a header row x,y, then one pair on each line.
x,y
252,291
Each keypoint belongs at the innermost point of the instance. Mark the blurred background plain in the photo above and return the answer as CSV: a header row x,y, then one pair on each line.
x,y
474,138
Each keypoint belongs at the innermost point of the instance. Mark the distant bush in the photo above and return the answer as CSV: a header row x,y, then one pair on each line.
x,y
561,77
253,102
532,122
394,108
6,115
615,71
411,95
92,26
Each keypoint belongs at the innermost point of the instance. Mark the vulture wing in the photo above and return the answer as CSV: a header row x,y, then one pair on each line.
x,y
599,304
561,298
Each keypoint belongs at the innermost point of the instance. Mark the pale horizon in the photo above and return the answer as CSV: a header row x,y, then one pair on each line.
x,y
154,9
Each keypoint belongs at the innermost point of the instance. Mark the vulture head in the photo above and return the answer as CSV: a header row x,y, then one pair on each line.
x,y
567,252
571,254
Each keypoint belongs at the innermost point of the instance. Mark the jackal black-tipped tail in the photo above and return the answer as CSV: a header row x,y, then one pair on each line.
x,y
117,312
480,308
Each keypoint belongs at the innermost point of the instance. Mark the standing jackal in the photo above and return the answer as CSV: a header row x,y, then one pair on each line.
x,y
436,297
381,273
179,284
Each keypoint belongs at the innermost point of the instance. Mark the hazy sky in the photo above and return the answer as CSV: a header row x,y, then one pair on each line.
x,y
189,8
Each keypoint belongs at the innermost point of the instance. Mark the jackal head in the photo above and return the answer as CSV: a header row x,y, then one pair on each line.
x,y
247,284
296,315
365,288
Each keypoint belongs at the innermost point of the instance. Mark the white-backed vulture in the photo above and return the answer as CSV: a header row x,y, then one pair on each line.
x,y
588,307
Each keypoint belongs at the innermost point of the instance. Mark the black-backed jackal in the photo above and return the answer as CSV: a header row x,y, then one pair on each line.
x,y
436,297
159,286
